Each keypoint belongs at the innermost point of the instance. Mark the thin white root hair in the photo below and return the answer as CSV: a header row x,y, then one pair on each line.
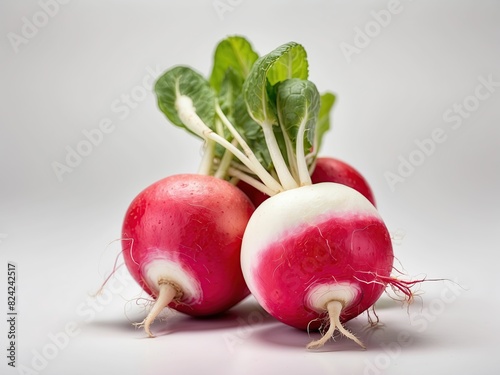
x,y
166,294
334,309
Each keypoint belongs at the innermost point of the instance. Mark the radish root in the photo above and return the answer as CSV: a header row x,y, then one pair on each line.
x,y
167,292
334,309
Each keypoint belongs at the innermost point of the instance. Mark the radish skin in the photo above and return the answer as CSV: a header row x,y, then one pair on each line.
x,y
307,247
186,233
328,169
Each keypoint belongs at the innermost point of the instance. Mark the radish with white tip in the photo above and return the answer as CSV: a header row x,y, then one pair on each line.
x,y
181,242
317,250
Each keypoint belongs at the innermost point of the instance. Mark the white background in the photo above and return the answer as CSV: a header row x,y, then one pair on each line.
x,y
73,72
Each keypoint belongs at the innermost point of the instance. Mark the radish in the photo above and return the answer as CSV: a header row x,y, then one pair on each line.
x,y
181,242
326,169
330,169
317,249
311,254
255,195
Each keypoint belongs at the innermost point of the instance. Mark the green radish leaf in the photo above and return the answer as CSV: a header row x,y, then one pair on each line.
x,y
291,63
323,125
230,90
236,53
287,61
182,80
252,132
298,104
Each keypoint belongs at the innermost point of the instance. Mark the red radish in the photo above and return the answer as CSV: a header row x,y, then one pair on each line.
x,y
330,169
327,169
316,250
181,242
255,195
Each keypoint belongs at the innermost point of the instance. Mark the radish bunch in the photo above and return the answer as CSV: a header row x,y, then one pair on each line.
x,y
264,214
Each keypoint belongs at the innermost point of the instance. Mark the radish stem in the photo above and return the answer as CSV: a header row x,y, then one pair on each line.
x,y
282,170
166,294
208,155
187,114
250,181
334,309
292,159
304,177
225,162
260,170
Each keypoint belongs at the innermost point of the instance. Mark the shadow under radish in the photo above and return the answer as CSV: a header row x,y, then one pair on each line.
x,y
374,337
247,314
